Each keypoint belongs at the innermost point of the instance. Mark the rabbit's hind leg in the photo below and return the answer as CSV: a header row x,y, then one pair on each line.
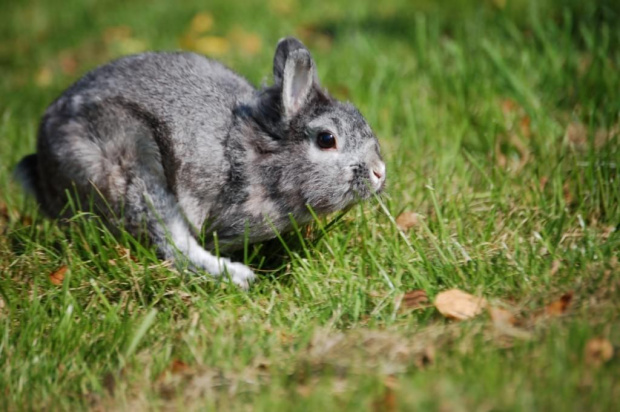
x,y
151,207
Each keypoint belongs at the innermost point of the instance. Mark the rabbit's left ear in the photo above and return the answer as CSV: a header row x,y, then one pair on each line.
x,y
293,70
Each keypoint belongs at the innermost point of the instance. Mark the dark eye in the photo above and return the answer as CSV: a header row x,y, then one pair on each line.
x,y
326,140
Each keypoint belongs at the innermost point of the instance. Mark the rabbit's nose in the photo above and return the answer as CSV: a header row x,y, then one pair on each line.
x,y
377,175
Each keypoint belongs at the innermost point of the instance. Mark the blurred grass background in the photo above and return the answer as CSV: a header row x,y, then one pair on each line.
x,y
499,122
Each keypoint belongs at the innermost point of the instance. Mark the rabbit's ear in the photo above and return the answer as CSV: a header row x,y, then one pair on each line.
x,y
294,71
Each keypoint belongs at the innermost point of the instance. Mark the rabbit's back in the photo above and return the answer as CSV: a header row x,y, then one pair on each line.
x,y
180,88
163,115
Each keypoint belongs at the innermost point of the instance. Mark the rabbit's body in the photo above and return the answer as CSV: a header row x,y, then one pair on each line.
x,y
168,144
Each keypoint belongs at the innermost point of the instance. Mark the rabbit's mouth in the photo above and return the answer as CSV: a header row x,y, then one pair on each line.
x,y
367,181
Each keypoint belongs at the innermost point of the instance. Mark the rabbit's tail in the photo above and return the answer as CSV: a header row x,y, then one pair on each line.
x,y
26,174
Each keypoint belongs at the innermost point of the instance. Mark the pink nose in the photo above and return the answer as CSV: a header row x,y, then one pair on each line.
x,y
378,175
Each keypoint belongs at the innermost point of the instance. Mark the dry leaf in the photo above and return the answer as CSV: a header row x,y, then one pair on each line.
x,y
314,36
44,77
577,133
509,106
426,357
304,390
283,7
57,276
178,367
505,323
525,126
500,4
211,45
130,46
555,266
250,43
68,63
407,220
607,232
113,34
501,317
598,351
201,23
387,401
456,304
568,197
4,211
415,299
604,136
559,306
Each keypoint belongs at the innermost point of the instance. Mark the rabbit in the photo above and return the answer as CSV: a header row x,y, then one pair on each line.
x,y
169,145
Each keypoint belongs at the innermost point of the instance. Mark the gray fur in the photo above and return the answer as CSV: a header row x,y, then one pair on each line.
x,y
175,143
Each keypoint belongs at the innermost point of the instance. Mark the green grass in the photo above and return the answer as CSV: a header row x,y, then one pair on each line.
x,y
500,124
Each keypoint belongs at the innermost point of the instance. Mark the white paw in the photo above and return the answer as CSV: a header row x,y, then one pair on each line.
x,y
239,274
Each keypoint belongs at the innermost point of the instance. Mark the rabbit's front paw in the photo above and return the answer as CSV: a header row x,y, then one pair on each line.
x,y
240,274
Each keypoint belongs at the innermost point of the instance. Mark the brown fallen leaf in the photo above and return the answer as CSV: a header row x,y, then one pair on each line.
x,y
501,317
68,63
178,367
415,299
555,266
604,136
559,306
426,357
607,232
566,193
509,106
543,182
505,323
304,390
387,401
57,276
4,211
525,126
577,134
407,220
456,304
598,351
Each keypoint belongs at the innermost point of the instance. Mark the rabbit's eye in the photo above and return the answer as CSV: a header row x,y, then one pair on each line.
x,y
326,140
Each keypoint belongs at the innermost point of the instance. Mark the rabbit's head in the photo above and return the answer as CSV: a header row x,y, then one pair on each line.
x,y
323,152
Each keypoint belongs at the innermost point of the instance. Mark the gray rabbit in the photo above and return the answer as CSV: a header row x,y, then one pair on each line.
x,y
169,144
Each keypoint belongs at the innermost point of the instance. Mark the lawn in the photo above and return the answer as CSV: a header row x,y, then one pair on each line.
x,y
499,122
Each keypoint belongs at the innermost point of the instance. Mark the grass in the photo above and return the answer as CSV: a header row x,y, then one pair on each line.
x,y
499,122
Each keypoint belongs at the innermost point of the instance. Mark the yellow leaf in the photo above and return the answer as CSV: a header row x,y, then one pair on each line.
x,y
112,34
283,7
44,77
211,45
250,43
201,23
130,46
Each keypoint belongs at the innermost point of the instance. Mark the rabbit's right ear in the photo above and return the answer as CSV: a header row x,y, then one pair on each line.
x,y
295,72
